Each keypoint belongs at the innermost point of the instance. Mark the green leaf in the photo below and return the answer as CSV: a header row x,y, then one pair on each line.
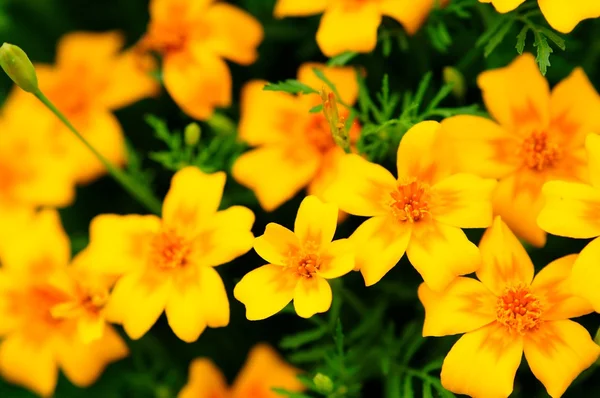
x,y
342,59
302,338
407,390
497,38
319,73
316,109
521,38
543,52
427,393
491,31
291,86
285,393
552,35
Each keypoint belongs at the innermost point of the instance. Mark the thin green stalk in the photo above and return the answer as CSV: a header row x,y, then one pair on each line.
x,y
140,193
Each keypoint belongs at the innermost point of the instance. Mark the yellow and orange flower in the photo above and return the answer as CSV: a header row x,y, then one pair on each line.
x,y
571,209
352,25
537,136
193,37
421,212
51,319
264,370
90,79
562,15
507,314
300,263
295,147
168,264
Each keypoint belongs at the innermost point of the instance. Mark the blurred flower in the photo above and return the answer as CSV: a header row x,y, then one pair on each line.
x,y
193,37
36,283
571,209
168,264
420,213
264,370
89,80
351,25
537,136
295,147
300,263
562,15
507,314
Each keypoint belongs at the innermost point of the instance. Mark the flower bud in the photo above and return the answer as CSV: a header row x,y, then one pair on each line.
x,y
323,383
18,67
336,122
453,75
191,134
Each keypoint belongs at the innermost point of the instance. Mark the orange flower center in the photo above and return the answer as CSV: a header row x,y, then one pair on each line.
x,y
170,251
308,265
164,38
539,151
410,201
519,310
94,301
318,133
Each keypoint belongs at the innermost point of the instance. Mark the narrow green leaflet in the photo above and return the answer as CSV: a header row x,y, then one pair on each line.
x,y
291,86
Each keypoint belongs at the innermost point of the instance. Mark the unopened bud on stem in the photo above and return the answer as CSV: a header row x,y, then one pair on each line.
x,y
191,134
336,122
18,67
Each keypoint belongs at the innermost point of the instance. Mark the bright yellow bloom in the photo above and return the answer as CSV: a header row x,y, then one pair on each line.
x,y
572,209
562,15
421,212
300,263
168,264
193,37
264,370
508,313
51,317
351,25
537,136
91,78
295,147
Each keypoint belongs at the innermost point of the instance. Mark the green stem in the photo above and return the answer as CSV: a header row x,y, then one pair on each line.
x,y
140,193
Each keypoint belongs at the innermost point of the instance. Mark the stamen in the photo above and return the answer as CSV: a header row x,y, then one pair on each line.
x,y
539,152
410,201
169,250
519,310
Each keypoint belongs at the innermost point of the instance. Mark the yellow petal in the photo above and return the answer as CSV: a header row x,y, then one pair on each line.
x,y
380,243
348,28
90,328
276,244
571,209
558,352
343,78
234,34
411,14
265,291
225,237
517,95
192,200
205,381
362,188
463,200
168,10
440,253
316,222
213,291
483,363
553,285
592,146
565,16
28,364
197,84
312,296
274,186
74,48
337,259
295,8
586,274
504,6
184,309
504,259
464,306
264,370
417,153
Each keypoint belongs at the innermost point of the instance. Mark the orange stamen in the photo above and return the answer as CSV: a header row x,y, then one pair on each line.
x,y
539,151
410,201
519,310
169,250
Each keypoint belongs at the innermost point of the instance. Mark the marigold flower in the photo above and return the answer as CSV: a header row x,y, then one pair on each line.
x,y
352,25
508,313
295,147
571,209
300,263
264,370
420,213
168,264
562,15
193,37
538,136
39,336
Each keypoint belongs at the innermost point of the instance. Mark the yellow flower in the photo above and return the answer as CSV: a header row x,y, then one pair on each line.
x,y
562,15
295,147
420,213
168,264
264,370
508,313
36,283
537,136
351,25
193,37
571,209
300,263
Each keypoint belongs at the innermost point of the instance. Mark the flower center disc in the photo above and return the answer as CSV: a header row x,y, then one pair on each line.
x,y
410,201
539,152
308,265
169,250
519,310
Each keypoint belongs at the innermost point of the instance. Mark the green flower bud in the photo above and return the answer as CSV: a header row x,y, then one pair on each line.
x,y
18,67
453,75
191,134
323,383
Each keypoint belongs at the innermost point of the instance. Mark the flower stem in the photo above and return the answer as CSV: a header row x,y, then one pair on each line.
x,y
140,193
